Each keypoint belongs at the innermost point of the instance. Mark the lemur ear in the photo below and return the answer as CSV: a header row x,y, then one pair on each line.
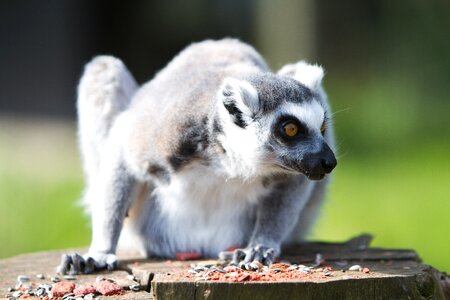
x,y
240,99
309,75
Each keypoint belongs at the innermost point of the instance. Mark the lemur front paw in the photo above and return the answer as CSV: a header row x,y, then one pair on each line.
x,y
244,257
74,263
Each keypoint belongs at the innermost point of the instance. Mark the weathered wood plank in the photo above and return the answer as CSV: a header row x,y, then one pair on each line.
x,y
394,274
389,280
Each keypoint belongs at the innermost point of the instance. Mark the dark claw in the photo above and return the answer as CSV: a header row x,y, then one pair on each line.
x,y
237,256
78,264
66,261
111,266
74,264
89,266
71,264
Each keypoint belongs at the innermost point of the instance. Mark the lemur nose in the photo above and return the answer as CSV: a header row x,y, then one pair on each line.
x,y
329,163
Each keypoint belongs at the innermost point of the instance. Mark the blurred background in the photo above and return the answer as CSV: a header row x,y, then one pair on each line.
x,y
388,80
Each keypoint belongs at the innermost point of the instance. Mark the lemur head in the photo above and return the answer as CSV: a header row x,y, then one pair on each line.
x,y
276,123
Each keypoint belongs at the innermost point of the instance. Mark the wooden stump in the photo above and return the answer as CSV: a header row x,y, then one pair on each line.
x,y
394,274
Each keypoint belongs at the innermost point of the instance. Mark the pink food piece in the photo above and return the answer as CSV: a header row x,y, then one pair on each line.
x,y
107,288
187,255
84,290
59,289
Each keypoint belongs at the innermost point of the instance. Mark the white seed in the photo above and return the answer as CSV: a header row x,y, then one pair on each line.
x,y
99,278
305,269
135,287
40,276
200,278
17,294
354,268
68,295
292,268
55,279
219,270
89,297
69,277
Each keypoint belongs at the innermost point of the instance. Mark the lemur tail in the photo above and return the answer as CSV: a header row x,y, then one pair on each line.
x,y
105,90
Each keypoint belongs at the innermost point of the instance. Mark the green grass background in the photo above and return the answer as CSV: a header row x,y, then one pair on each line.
x,y
392,179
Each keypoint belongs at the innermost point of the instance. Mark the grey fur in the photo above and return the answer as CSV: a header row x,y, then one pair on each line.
x,y
195,159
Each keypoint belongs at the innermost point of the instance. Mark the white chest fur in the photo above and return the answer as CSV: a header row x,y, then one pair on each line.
x,y
204,211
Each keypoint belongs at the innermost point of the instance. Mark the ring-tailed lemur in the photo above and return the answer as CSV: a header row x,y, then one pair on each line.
x,y
215,151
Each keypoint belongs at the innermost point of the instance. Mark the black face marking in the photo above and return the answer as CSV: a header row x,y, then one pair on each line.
x,y
195,138
159,171
274,90
279,134
235,112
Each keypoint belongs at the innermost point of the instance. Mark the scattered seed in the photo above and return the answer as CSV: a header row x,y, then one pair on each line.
x,y
354,268
29,292
68,295
199,269
219,270
10,289
200,279
245,277
305,269
17,294
292,268
111,280
88,297
135,287
45,286
99,278
55,279
40,276
23,278
41,292
193,272
327,273
69,277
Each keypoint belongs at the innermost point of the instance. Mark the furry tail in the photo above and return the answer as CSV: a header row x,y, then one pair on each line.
x,y
105,90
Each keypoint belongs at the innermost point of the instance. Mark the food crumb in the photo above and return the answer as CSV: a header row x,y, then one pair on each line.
x,y
107,288
61,288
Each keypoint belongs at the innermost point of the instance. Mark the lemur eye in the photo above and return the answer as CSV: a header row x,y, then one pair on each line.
x,y
323,127
290,129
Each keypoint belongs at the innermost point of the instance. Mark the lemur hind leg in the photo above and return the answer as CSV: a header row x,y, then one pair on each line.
x,y
105,90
